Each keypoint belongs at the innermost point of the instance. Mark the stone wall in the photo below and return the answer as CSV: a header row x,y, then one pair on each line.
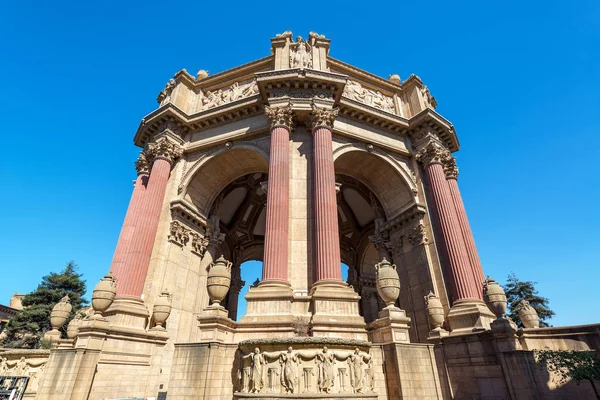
x,y
31,363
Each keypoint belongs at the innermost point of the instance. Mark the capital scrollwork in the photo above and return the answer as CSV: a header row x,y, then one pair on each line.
x,y
141,165
433,153
164,149
280,116
178,234
450,168
322,117
418,235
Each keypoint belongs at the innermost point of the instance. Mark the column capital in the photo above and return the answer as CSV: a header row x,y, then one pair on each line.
x,y
433,153
164,149
322,117
418,235
450,168
142,165
280,116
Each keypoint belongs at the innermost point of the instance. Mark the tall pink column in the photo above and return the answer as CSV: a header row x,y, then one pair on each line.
x,y
327,241
131,217
452,177
275,263
132,278
462,283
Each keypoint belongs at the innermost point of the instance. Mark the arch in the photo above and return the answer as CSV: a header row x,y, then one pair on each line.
x,y
380,173
210,175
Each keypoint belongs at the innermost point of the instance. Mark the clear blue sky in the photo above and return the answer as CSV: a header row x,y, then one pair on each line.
x,y
519,80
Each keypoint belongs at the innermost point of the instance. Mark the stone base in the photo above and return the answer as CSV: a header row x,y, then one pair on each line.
x,y
128,312
468,316
391,326
436,334
53,335
335,311
215,325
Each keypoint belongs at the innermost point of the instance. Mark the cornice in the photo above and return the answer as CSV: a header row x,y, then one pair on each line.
x,y
430,120
180,209
369,77
280,83
415,212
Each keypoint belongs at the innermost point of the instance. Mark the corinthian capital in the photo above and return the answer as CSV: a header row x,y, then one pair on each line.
x,y
164,149
280,116
433,153
322,117
450,168
141,165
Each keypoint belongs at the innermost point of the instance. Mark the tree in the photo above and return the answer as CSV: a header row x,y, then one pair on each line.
x,y
26,328
516,291
572,364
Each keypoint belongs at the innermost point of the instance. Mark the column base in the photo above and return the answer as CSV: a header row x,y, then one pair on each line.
x,y
469,315
128,312
335,311
391,326
215,325
435,335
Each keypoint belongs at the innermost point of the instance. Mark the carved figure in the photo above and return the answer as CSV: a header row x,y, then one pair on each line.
x,y
289,376
21,369
326,379
3,366
371,374
301,56
257,369
356,362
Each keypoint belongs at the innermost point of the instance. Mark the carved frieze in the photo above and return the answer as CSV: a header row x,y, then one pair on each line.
x,y
428,98
280,116
418,235
301,93
373,98
199,244
322,117
164,96
235,92
178,233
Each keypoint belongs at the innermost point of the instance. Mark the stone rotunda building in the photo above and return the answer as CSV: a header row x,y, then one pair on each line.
x,y
303,162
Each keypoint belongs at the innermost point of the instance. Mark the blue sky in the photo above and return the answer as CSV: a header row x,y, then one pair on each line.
x,y
519,80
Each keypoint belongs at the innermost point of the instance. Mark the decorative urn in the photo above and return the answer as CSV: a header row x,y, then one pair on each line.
x,y
528,315
162,308
60,312
219,280
494,297
73,327
388,282
104,293
435,311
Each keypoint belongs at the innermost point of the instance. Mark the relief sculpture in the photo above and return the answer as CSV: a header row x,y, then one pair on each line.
x,y
373,98
235,92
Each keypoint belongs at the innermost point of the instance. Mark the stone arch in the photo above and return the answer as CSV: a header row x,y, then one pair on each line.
x,y
382,174
210,175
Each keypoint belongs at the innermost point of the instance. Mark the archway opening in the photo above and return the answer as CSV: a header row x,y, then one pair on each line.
x,y
251,273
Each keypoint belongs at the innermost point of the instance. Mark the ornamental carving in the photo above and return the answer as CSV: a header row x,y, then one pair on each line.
x,y
428,98
178,234
280,116
164,149
374,98
450,168
433,153
23,368
235,92
141,165
164,96
300,54
418,235
306,371
198,244
322,117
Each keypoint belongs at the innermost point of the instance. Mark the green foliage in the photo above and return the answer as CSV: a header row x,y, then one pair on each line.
x,y
571,364
26,329
516,291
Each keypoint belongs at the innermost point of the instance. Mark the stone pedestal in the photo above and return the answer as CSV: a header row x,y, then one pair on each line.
x,y
391,326
128,312
469,315
215,325
268,311
335,311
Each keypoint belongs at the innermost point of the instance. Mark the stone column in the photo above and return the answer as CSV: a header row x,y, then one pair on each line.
x,y
327,241
132,278
452,177
467,308
118,266
275,264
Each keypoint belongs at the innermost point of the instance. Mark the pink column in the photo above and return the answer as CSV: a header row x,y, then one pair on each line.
x,y
452,177
131,217
275,264
131,282
462,281
327,241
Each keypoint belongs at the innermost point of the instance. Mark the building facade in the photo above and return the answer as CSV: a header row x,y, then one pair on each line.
x,y
303,162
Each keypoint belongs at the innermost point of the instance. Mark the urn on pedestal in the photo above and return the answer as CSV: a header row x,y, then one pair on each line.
x,y
218,281
59,315
104,294
494,297
435,311
388,282
162,309
73,327
528,315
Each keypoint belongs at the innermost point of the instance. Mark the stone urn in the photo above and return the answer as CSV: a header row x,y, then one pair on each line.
x,y
528,315
494,297
219,280
435,311
104,293
73,327
60,313
162,308
388,282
